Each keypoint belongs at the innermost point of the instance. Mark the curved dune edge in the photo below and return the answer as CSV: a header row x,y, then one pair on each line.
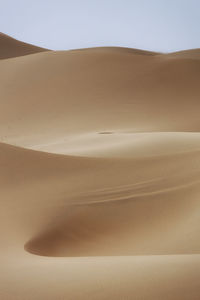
x,y
99,174
116,144
147,212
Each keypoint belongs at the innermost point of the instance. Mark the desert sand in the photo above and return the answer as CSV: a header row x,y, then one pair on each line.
x,y
99,173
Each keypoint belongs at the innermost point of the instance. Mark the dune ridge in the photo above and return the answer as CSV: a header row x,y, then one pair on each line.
x,y
99,173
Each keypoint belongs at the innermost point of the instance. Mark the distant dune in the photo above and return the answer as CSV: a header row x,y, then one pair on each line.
x,y
99,173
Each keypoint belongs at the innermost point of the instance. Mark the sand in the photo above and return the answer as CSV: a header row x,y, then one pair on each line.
x,y
99,173
10,47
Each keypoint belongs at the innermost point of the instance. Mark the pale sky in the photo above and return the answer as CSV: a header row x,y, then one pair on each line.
x,y
159,25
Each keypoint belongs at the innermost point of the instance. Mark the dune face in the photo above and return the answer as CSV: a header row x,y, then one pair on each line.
x,y
10,47
120,91
99,173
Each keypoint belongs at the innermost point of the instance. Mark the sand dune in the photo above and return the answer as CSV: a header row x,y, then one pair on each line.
x,y
117,91
99,173
10,47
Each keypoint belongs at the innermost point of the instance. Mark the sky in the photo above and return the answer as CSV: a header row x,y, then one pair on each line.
x,y
158,25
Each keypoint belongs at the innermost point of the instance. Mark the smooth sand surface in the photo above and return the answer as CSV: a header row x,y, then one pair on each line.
x,y
10,47
99,174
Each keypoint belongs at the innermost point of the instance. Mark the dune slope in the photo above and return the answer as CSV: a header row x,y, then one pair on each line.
x,y
100,175
10,47
96,90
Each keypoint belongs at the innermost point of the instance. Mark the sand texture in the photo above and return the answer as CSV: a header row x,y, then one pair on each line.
x,y
99,174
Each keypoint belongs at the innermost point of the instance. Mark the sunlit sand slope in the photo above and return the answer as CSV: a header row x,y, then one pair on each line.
x,y
53,95
100,175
